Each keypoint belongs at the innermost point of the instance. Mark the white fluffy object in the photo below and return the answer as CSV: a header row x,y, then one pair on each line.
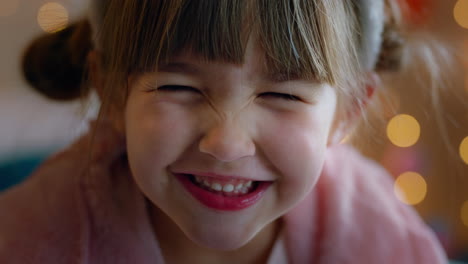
x,y
372,18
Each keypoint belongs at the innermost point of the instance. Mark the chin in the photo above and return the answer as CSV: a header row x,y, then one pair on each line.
x,y
221,240
222,244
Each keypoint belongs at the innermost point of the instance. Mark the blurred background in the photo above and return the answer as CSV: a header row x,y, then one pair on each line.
x,y
423,141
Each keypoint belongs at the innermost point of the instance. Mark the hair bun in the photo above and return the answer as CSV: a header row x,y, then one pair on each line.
x,y
55,64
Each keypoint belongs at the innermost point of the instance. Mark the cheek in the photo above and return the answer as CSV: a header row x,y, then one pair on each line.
x,y
156,136
297,148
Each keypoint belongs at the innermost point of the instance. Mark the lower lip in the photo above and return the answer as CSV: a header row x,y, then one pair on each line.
x,y
220,202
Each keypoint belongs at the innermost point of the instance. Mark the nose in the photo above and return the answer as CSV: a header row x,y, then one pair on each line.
x,y
227,141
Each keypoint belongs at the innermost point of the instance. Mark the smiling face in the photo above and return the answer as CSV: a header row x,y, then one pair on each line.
x,y
229,124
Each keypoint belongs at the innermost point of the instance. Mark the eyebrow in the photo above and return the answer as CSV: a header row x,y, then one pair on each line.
x,y
179,67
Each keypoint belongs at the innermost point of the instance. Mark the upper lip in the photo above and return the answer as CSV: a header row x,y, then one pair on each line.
x,y
217,176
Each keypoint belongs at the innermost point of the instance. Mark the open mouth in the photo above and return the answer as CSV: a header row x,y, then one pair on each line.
x,y
231,188
224,195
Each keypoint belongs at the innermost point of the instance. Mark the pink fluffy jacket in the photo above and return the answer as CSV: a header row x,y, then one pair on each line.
x,y
65,213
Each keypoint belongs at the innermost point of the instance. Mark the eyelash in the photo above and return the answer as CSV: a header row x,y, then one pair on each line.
x,y
288,97
175,88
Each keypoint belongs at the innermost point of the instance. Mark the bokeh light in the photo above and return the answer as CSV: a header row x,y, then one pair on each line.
x,y
403,130
346,139
460,13
464,150
465,53
52,17
410,188
466,83
465,62
8,7
464,213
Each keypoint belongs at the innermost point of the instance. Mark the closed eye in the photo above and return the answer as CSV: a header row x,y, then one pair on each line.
x,y
177,88
285,96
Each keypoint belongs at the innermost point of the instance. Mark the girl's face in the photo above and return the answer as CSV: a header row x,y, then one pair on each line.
x,y
224,150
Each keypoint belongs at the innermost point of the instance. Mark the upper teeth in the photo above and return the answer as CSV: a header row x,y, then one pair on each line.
x,y
242,187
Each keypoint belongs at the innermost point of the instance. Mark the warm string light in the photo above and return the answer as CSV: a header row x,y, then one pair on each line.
x,y
52,17
410,188
460,13
8,7
464,150
346,139
464,213
403,130
466,83
465,63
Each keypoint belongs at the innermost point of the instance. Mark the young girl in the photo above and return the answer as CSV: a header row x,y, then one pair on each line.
x,y
217,140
